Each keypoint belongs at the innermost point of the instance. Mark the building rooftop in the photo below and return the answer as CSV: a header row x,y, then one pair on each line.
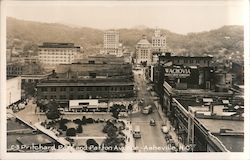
x,y
20,133
232,143
232,138
214,125
35,139
143,41
58,45
227,127
86,83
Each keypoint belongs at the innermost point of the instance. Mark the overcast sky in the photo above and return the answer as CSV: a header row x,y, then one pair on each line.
x,y
179,17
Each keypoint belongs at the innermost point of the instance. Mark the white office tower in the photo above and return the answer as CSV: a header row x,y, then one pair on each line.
x,y
159,43
111,42
57,53
143,51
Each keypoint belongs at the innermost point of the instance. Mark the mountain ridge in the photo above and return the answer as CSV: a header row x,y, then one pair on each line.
x,y
227,38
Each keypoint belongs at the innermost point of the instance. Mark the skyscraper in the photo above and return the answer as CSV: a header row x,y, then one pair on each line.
x,y
143,51
111,42
159,43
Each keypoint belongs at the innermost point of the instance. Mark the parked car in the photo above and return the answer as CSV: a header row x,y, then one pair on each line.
x,y
147,110
168,137
123,115
137,132
165,129
152,122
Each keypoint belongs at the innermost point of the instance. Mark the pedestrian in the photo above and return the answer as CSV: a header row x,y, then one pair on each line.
x,y
128,139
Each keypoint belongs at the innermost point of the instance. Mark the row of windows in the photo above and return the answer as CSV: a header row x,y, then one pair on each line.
x,y
86,96
192,61
48,61
51,57
14,69
63,89
158,40
159,45
57,50
60,54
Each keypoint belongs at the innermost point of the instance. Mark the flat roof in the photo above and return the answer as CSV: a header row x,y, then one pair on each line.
x,y
80,84
57,45
12,125
35,139
232,143
214,125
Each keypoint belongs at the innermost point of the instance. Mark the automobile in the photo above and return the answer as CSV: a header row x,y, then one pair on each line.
x,y
21,106
168,137
123,115
61,109
165,129
152,122
137,132
147,110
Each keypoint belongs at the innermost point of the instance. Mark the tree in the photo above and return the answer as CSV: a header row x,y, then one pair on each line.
x,y
52,111
63,127
77,121
92,146
71,132
79,129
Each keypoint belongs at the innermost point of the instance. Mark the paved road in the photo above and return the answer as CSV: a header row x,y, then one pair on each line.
x,y
151,135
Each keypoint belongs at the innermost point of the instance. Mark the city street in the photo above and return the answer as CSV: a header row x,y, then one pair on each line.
x,y
151,136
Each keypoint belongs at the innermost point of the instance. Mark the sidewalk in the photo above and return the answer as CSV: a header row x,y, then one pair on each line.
x,y
130,141
167,123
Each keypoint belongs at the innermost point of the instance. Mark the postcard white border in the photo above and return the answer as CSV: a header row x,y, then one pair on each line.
x,y
173,156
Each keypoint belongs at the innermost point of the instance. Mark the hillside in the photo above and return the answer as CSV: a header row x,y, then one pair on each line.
x,y
225,40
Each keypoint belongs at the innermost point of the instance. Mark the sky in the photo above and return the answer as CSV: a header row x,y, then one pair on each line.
x,y
177,16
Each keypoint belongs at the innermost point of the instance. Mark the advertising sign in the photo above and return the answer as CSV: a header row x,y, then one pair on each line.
x,y
178,72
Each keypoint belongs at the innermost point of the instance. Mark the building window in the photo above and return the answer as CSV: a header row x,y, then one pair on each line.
x,y
80,96
197,61
89,88
53,89
81,89
71,97
44,89
62,96
63,89
53,97
71,89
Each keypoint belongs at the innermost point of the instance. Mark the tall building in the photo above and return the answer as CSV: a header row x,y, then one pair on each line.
x,y
159,43
111,42
57,53
143,51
